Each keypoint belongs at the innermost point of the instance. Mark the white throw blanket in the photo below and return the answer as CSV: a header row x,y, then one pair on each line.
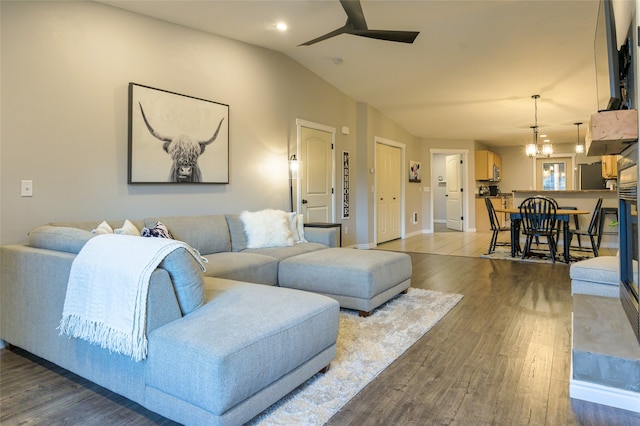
x,y
106,301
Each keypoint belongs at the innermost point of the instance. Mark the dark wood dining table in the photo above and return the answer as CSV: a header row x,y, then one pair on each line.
x,y
562,215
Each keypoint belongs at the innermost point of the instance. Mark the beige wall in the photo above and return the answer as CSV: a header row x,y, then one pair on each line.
x,y
375,125
65,71
517,168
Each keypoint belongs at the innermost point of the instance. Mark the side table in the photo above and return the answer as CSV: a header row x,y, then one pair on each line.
x,y
327,225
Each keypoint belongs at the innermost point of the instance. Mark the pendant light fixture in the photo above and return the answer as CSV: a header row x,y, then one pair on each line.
x,y
532,148
579,145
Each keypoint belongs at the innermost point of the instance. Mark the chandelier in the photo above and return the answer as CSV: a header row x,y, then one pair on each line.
x,y
532,148
579,146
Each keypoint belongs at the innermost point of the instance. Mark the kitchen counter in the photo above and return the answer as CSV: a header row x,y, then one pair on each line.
x,y
559,193
506,195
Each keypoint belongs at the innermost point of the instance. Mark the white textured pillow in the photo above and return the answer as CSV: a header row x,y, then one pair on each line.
x,y
300,226
293,226
267,228
128,228
103,228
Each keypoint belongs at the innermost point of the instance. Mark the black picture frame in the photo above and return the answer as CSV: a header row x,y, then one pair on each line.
x,y
414,171
176,139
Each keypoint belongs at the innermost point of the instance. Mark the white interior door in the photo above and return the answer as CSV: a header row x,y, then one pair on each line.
x,y
316,183
453,171
388,193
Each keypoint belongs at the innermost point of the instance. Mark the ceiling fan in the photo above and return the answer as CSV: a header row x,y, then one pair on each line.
x,y
357,25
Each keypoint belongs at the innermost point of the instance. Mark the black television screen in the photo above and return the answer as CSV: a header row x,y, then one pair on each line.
x,y
607,59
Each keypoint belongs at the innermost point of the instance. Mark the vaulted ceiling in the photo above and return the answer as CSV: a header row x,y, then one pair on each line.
x,y
470,73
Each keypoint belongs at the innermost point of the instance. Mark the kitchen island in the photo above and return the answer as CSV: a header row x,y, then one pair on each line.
x,y
582,200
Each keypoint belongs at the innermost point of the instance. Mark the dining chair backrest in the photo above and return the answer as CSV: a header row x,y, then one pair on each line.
x,y
538,214
595,218
493,216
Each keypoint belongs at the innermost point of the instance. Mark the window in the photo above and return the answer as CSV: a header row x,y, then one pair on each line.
x,y
554,174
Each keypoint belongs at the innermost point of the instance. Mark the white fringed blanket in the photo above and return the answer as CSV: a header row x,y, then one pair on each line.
x,y
106,300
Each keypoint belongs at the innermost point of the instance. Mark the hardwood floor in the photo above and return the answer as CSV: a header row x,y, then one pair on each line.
x,y
500,357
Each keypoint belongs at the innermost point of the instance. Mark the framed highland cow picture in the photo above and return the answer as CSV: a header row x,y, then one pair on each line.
x,y
176,139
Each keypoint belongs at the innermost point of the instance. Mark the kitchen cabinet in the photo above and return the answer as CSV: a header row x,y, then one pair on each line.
x,y
482,215
485,162
609,166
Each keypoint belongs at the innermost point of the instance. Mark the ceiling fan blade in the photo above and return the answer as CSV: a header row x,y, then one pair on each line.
x,y
386,35
357,25
333,33
354,12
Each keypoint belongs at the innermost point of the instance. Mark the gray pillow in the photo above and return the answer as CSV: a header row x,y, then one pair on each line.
x,y
60,238
236,229
187,277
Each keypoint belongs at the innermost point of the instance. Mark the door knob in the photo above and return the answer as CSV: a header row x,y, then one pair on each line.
x,y
304,201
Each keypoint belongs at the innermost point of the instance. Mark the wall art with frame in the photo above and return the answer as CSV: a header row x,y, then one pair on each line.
x,y
176,139
414,171
345,185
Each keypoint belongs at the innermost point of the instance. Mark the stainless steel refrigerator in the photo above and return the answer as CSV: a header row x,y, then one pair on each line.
x,y
590,176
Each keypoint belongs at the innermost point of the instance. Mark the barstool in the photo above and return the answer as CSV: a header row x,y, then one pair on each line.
x,y
605,211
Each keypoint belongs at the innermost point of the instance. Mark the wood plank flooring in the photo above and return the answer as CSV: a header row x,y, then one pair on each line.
x,y
500,357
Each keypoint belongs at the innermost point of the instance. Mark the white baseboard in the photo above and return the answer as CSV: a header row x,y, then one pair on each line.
x,y
365,246
613,397
413,234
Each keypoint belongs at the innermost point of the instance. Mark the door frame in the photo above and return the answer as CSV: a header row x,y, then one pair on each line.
x,y
300,123
465,183
403,173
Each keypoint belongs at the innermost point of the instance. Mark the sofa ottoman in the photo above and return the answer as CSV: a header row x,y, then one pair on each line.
x,y
358,279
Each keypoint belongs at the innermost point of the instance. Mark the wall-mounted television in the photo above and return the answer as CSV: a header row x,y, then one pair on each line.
x,y
607,59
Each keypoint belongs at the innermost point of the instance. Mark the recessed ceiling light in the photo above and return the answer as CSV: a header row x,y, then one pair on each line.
x,y
281,26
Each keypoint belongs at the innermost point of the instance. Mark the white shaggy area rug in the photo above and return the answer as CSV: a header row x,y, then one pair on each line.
x,y
366,346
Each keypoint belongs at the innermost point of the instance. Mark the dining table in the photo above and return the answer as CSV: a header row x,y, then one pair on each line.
x,y
563,215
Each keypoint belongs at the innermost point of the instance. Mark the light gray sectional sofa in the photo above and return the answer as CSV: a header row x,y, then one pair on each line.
x,y
223,345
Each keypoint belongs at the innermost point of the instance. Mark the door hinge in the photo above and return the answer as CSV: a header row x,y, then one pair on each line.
x,y
461,189
332,190
461,217
460,161
331,146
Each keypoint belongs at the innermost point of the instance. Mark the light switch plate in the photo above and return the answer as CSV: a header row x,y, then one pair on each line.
x,y
27,188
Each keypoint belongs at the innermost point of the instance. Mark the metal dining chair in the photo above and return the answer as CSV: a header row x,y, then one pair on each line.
x,y
495,227
538,216
593,231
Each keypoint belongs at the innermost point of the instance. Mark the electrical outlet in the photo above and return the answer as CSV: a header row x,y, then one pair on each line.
x,y
27,188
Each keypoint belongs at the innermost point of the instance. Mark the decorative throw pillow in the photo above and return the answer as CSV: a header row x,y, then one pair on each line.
x,y
297,227
159,230
293,226
103,228
300,225
128,228
267,228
